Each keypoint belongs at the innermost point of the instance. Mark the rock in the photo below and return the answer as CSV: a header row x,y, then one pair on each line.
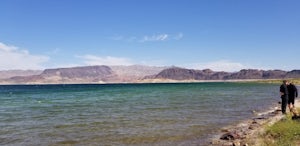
x,y
230,136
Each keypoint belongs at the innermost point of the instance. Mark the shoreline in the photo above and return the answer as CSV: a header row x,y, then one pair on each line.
x,y
248,132
152,81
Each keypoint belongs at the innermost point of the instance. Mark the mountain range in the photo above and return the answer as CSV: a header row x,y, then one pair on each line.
x,y
133,74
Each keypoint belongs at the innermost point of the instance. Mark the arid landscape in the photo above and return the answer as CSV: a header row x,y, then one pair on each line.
x,y
134,74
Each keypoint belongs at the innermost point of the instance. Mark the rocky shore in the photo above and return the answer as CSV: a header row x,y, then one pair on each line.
x,y
248,132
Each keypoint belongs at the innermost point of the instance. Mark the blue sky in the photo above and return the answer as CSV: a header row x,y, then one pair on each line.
x,y
226,35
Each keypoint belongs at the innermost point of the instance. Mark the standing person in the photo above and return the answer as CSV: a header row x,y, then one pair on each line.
x,y
293,93
284,96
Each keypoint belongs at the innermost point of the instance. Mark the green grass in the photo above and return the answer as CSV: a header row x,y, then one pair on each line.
x,y
283,133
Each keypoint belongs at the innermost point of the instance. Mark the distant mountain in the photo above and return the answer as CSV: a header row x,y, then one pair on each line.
x,y
86,74
134,74
293,74
257,74
176,73
68,75
11,73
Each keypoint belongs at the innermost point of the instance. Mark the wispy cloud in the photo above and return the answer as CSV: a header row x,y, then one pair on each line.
x,y
221,65
107,60
11,57
159,37
148,38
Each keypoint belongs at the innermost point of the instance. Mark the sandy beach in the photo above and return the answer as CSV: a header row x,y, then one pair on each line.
x,y
248,132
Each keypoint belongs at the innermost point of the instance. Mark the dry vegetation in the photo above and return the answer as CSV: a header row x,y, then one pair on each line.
x,y
279,81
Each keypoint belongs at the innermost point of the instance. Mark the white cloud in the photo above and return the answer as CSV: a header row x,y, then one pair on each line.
x,y
159,37
222,65
11,57
148,38
108,60
6,48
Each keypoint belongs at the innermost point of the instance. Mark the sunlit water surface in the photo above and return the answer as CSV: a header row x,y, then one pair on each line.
x,y
127,114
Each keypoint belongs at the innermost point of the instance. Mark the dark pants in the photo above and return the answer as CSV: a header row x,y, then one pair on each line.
x,y
284,100
291,100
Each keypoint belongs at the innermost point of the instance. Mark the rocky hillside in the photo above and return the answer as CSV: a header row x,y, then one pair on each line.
x,y
87,74
69,75
176,73
79,72
135,72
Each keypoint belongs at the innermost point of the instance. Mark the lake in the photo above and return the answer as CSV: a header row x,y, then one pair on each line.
x,y
127,114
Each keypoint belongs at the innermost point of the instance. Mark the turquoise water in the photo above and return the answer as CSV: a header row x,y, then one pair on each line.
x,y
126,114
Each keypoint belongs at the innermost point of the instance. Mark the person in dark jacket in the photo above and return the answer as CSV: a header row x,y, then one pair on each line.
x,y
293,93
284,95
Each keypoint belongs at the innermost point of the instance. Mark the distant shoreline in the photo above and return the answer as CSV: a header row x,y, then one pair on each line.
x,y
154,81
103,74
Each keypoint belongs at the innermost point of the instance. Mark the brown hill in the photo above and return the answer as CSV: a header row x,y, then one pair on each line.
x,y
176,73
135,72
87,74
93,73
